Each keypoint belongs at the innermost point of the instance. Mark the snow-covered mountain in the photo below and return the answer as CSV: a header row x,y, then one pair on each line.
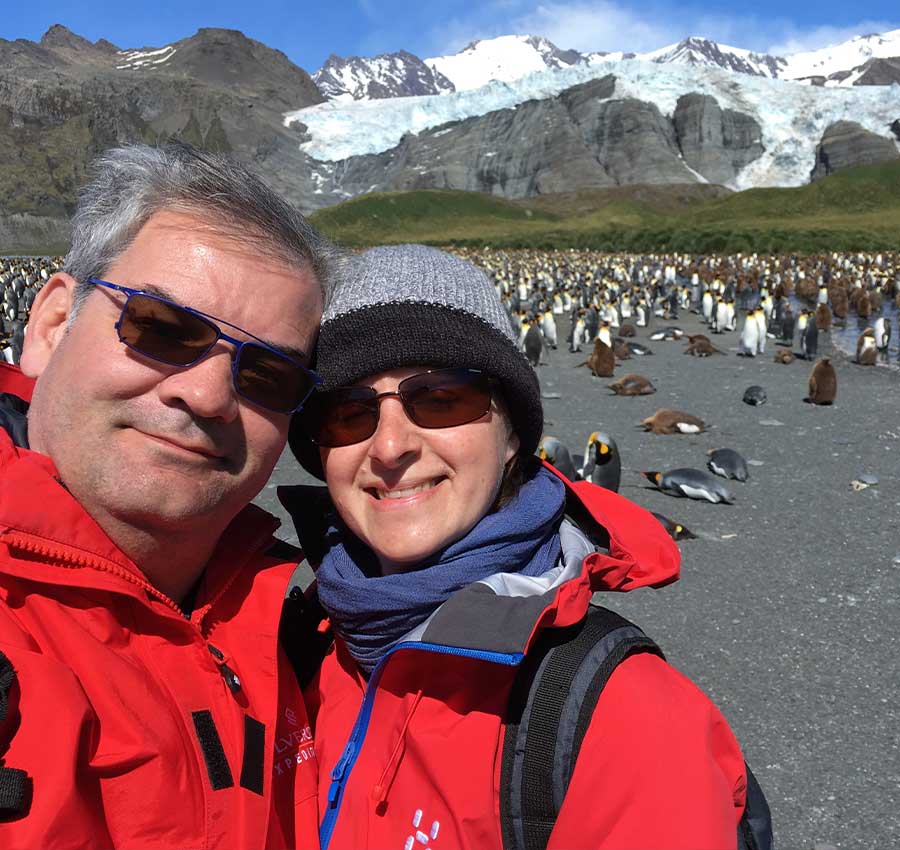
x,y
793,117
702,51
505,59
841,64
511,57
388,75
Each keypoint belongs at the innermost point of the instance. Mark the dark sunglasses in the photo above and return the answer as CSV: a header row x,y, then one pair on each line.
x,y
442,398
181,336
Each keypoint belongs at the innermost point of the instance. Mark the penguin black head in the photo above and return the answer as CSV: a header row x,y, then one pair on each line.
x,y
652,477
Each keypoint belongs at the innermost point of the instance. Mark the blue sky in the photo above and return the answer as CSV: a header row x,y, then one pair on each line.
x,y
308,32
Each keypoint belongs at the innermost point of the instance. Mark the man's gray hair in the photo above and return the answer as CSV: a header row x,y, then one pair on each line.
x,y
132,183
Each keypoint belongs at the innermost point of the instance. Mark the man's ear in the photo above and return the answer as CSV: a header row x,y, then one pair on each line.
x,y
47,323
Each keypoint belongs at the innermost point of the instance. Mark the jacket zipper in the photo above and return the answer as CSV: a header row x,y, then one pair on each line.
x,y
341,771
64,556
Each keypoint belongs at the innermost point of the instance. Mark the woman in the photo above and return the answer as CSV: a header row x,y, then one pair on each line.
x,y
449,558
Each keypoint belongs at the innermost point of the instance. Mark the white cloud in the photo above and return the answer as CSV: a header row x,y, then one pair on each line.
x,y
606,25
797,41
598,26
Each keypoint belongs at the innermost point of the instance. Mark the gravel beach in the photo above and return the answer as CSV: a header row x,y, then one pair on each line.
x,y
787,609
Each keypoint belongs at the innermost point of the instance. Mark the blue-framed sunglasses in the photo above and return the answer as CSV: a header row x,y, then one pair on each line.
x,y
181,336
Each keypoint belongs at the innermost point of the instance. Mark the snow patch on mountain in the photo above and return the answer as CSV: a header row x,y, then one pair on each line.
x,y
133,59
398,74
793,116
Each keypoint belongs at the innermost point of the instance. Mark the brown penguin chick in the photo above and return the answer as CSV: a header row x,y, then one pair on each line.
x,y
627,330
602,361
822,383
633,384
866,352
694,337
701,348
864,306
620,349
784,355
667,421
807,290
840,304
876,300
823,317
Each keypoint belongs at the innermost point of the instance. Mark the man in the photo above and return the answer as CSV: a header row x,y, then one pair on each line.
x,y
144,701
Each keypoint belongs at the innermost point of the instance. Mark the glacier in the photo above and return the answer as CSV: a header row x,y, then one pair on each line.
x,y
793,115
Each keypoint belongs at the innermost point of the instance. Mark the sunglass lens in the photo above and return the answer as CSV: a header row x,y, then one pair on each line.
x,y
444,399
164,331
272,381
341,417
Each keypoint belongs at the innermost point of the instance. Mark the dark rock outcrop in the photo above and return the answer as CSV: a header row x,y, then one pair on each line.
x,y
895,129
880,72
845,144
714,142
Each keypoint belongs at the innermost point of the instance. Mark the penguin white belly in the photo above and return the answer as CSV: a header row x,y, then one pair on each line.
x,y
699,493
687,428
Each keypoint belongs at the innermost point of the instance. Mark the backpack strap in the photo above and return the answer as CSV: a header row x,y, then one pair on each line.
x,y
550,708
755,827
300,632
551,705
14,783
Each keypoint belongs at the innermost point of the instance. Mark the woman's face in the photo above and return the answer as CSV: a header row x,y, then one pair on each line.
x,y
408,491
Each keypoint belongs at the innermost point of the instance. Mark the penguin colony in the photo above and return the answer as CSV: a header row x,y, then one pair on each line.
x,y
603,302
612,308
20,281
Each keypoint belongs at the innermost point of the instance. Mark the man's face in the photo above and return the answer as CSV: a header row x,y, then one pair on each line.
x,y
160,447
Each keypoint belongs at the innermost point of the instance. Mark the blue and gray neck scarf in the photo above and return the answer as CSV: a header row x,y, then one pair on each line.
x,y
372,612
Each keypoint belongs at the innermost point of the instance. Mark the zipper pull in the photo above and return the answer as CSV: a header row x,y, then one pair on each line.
x,y
337,775
232,680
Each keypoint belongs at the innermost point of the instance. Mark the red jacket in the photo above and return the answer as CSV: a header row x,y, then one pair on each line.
x,y
115,687
414,759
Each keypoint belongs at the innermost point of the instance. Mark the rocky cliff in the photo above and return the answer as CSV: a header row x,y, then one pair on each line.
x,y
580,139
64,100
846,143
715,142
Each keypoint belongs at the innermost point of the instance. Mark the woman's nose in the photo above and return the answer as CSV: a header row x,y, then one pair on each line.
x,y
395,437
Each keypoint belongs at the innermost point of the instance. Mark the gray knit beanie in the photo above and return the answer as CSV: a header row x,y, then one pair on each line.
x,y
411,305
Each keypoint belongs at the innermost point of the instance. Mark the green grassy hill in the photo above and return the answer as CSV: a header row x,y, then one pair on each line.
x,y
425,215
856,209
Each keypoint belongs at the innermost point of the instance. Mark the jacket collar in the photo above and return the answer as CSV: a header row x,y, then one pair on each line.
x,y
69,548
